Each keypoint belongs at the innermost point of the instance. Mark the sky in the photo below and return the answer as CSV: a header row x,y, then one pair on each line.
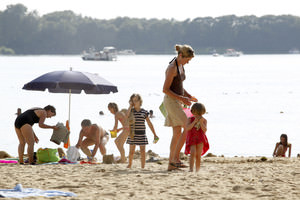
x,y
161,9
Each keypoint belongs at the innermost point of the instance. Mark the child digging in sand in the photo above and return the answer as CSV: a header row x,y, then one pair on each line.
x,y
137,134
196,141
120,140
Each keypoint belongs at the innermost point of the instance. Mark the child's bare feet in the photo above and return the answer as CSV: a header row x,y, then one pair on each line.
x,y
129,166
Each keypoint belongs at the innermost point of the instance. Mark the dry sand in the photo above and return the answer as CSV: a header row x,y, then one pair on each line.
x,y
219,178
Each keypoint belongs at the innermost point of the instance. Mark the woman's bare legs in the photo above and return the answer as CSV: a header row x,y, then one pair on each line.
x,y
28,135
179,146
199,148
174,141
131,153
143,155
22,143
119,141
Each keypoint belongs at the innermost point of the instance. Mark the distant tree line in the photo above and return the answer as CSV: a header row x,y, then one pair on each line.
x,y
24,32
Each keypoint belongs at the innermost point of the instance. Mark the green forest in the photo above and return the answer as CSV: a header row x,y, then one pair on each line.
x,y
23,33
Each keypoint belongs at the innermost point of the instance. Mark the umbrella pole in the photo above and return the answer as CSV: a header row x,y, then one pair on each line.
x,y
69,105
70,102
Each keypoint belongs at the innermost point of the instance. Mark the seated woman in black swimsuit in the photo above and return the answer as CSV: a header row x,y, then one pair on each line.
x,y
25,133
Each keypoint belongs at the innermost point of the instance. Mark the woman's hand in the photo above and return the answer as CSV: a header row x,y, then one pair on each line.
x,y
36,139
194,99
186,101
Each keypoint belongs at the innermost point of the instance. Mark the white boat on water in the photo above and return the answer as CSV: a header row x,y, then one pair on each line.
x,y
294,51
126,52
108,54
232,53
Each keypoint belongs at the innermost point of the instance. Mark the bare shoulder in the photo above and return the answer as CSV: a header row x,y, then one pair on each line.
x,y
171,69
40,112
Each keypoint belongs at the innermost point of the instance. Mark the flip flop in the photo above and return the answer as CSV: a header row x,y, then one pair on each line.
x,y
181,165
172,167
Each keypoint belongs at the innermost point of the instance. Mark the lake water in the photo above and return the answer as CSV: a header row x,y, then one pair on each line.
x,y
251,100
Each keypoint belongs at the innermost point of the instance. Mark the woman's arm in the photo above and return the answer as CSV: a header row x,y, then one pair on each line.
x,y
42,116
170,74
194,99
186,94
36,139
290,150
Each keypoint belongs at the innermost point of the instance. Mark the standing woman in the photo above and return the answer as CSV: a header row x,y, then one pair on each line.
x,y
25,133
175,96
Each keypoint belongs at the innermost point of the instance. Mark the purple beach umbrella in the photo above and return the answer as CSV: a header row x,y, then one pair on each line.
x,y
71,82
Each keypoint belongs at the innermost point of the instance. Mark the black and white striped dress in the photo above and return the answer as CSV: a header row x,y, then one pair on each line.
x,y
140,137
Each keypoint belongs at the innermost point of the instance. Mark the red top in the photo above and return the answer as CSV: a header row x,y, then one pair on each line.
x,y
195,137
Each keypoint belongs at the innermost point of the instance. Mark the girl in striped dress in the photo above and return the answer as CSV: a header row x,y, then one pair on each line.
x,y
138,128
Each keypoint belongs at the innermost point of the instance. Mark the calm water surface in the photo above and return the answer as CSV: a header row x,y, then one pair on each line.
x,y
250,100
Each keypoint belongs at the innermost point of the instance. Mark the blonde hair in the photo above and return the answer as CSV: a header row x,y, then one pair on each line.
x,y
185,50
114,106
138,97
198,109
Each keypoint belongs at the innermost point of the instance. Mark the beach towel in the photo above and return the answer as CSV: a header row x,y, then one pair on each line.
x,y
9,161
73,154
60,135
66,161
20,192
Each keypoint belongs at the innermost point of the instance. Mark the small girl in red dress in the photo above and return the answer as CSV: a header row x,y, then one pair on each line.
x,y
196,140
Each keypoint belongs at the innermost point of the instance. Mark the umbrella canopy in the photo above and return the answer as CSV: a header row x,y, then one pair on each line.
x,y
71,82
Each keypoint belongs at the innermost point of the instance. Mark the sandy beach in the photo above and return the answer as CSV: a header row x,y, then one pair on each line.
x,y
219,178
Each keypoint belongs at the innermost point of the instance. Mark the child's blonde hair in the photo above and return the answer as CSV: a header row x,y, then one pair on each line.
x,y
138,97
185,50
114,106
198,109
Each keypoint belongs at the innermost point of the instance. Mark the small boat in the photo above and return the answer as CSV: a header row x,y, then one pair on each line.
x,y
232,53
215,53
294,51
126,52
108,54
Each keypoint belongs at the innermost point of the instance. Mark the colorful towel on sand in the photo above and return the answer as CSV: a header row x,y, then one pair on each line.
x,y
9,161
20,192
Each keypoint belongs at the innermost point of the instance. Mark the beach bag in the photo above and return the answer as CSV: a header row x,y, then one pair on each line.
x,y
73,154
162,109
47,155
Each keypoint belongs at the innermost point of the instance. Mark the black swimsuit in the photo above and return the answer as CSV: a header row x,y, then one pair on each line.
x,y
27,117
